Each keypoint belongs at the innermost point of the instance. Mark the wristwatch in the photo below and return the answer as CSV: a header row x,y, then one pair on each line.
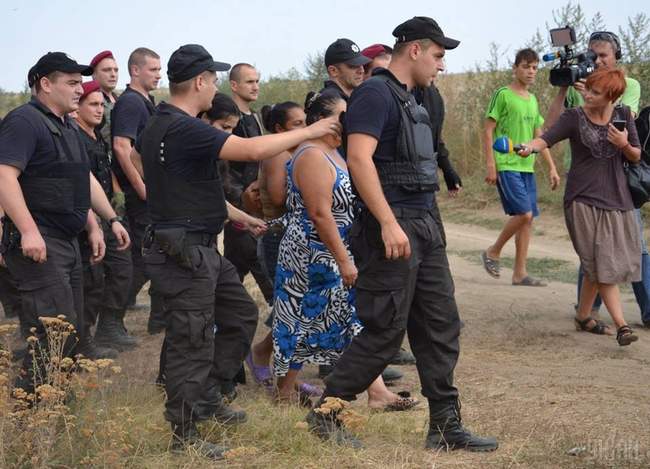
x,y
114,219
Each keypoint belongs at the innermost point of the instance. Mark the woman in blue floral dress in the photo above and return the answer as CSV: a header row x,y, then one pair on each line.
x,y
315,318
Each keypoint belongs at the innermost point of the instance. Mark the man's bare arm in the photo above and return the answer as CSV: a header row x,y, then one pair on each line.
x,y
556,108
260,148
122,151
361,147
13,203
136,160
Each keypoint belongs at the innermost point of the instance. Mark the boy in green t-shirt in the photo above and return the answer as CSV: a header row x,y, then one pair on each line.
x,y
513,112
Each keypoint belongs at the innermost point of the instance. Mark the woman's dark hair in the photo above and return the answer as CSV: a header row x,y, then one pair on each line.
x,y
320,105
222,107
278,114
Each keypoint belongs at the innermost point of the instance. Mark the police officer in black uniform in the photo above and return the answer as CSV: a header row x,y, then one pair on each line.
x,y
46,191
106,283
201,289
344,63
404,282
129,116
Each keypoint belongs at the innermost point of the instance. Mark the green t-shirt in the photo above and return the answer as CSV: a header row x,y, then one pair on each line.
x,y
630,97
517,118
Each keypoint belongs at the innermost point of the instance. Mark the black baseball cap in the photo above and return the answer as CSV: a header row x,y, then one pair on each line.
x,y
344,51
423,27
191,60
56,62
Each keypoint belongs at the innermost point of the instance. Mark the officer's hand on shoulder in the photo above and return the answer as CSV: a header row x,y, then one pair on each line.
x,y
326,126
395,241
33,246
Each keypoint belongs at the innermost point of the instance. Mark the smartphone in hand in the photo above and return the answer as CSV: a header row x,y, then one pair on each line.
x,y
619,124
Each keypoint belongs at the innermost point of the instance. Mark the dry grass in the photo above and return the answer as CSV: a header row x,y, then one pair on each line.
x,y
530,404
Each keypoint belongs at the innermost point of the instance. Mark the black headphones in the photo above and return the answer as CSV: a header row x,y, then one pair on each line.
x,y
610,37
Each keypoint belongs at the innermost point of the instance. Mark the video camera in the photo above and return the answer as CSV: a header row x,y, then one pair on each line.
x,y
572,66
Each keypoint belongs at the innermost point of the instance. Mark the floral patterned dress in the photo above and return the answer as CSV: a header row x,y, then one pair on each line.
x,y
314,314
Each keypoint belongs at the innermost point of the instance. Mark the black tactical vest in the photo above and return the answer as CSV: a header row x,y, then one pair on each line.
x,y
170,198
99,159
63,186
414,168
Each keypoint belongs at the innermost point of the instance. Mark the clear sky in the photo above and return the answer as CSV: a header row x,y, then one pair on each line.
x,y
275,35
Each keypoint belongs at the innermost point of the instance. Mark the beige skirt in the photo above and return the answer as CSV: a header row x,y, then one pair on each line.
x,y
607,242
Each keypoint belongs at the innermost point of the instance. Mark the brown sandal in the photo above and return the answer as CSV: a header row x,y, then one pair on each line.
x,y
403,403
599,327
625,335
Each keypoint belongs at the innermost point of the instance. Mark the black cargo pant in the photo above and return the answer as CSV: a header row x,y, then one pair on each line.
x,y
435,213
240,248
9,295
414,295
138,220
106,284
211,321
49,289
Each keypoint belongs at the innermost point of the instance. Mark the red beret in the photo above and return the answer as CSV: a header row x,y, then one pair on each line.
x,y
375,50
101,56
89,87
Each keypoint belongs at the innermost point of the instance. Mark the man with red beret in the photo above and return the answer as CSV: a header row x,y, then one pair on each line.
x,y
106,283
379,55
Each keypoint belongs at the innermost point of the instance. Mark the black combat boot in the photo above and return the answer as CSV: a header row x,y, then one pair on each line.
x,y
446,430
328,427
110,333
89,349
403,357
391,374
187,436
225,414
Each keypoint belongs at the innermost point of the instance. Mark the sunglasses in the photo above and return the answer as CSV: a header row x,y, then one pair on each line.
x,y
603,36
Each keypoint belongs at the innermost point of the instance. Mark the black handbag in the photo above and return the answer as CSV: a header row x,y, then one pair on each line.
x,y
638,174
638,180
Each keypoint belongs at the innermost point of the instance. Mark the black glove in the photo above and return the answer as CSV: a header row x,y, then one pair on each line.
x,y
452,179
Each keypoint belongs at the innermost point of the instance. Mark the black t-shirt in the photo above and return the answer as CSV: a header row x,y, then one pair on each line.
x,y
330,87
372,110
27,144
192,149
247,126
129,116
240,173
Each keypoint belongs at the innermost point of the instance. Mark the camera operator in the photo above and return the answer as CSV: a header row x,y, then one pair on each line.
x,y
607,47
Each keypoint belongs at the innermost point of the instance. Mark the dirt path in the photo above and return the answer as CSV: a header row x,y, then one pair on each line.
x,y
544,387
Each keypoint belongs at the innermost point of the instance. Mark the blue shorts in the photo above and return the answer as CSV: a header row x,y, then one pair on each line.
x,y
518,192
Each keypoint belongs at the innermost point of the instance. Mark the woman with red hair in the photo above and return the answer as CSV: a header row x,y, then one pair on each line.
x,y
598,206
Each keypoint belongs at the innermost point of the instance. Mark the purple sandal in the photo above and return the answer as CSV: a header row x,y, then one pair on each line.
x,y
261,374
310,390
